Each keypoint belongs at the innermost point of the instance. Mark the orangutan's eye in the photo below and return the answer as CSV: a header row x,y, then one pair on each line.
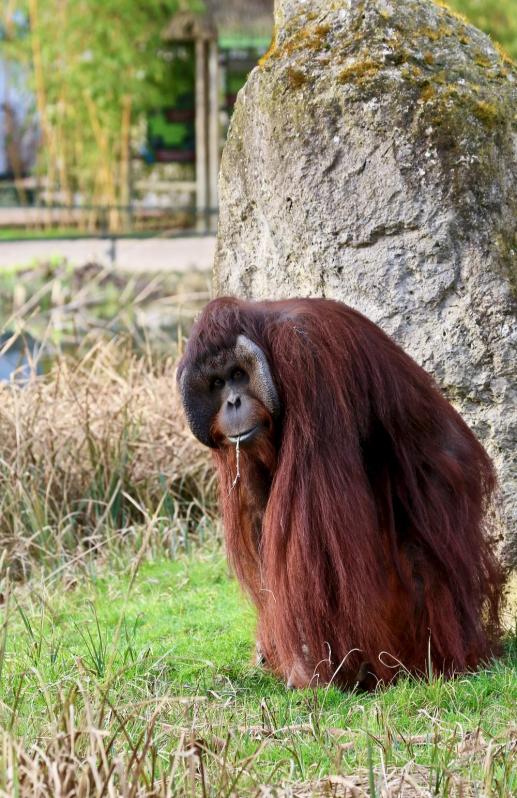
x,y
238,374
217,383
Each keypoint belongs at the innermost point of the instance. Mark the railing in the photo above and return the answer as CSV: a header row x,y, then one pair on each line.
x,y
29,205
63,221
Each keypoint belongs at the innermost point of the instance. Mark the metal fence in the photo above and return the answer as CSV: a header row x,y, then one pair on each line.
x,y
32,217
104,221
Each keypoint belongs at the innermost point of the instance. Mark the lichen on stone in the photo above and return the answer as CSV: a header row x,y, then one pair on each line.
x,y
435,34
428,92
489,113
358,69
296,77
506,247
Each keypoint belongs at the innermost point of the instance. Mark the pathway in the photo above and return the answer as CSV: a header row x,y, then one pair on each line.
x,y
139,255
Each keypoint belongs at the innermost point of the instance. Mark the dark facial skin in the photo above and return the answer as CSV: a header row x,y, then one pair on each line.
x,y
238,418
229,396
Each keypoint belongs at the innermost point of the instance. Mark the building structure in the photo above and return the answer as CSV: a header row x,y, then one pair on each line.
x,y
213,51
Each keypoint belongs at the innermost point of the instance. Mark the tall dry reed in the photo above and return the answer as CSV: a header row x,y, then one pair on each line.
x,y
94,448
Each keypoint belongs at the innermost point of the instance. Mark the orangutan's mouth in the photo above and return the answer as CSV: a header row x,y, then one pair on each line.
x,y
242,437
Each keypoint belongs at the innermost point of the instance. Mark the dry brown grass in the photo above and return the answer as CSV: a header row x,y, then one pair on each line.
x,y
99,444
85,760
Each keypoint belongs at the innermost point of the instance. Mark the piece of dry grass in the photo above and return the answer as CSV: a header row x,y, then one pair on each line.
x,y
84,447
84,759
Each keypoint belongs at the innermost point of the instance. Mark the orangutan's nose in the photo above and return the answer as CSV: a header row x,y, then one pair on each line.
x,y
234,400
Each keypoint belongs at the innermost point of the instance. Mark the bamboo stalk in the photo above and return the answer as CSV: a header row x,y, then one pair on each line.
x,y
125,133
62,109
8,17
108,191
41,100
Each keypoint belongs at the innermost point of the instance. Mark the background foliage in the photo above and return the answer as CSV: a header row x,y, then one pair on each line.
x,y
498,18
95,67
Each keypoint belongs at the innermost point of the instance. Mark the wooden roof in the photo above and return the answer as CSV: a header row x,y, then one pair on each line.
x,y
237,19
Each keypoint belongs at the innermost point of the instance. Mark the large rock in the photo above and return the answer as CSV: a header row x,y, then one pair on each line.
x,y
371,159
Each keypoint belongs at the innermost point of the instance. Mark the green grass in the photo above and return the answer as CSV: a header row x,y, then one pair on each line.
x,y
24,234
174,614
167,647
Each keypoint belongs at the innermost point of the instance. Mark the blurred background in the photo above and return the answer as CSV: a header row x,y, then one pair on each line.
x,y
113,115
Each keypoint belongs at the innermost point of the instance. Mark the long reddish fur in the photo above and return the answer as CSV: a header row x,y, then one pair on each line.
x,y
359,527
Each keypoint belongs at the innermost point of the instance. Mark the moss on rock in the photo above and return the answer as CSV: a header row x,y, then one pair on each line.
x,y
426,57
358,69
